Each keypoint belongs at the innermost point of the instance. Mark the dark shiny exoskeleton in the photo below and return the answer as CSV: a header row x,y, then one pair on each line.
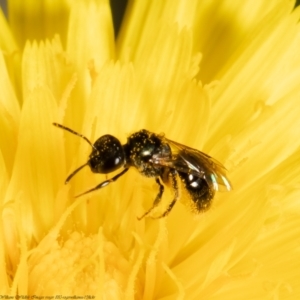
x,y
168,162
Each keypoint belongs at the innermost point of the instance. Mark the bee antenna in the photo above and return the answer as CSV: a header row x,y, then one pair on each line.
x,y
74,172
74,132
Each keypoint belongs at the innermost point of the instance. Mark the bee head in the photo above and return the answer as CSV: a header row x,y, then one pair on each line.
x,y
107,155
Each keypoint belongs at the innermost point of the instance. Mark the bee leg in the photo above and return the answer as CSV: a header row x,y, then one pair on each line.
x,y
156,201
173,175
104,183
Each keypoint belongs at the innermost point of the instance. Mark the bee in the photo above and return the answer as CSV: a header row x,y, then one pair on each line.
x,y
155,156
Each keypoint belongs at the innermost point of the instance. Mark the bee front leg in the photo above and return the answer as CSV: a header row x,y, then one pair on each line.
x,y
104,183
157,199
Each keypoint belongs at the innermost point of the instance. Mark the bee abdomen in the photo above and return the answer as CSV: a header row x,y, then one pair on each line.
x,y
199,191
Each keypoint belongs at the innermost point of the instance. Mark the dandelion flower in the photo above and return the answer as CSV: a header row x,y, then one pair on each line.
x,y
217,77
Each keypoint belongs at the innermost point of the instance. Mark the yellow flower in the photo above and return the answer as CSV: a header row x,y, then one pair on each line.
x,y
218,77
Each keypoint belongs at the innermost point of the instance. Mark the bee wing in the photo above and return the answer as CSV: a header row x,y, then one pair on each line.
x,y
191,161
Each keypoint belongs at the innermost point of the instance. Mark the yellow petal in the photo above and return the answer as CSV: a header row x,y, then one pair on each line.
x,y
37,20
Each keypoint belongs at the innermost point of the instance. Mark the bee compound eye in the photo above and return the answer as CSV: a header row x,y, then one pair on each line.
x,y
107,155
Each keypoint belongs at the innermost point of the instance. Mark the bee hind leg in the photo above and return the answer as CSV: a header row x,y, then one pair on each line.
x,y
173,175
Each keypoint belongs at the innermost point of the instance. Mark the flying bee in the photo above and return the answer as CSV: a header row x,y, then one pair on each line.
x,y
168,162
